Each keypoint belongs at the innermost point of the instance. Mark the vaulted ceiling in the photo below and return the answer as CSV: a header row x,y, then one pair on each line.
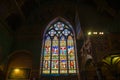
x,y
15,12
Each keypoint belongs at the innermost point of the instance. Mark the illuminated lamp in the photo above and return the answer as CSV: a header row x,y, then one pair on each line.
x,y
101,33
89,33
16,70
94,32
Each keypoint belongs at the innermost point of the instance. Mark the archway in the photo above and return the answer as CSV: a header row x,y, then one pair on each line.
x,y
19,65
111,67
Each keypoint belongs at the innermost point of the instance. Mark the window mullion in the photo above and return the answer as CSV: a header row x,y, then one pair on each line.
x,y
76,61
51,55
59,54
67,56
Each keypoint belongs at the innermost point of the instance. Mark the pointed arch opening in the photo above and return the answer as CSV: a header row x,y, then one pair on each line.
x,y
59,49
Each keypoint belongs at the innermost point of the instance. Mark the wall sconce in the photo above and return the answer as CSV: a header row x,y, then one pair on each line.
x,y
89,33
94,32
17,70
101,33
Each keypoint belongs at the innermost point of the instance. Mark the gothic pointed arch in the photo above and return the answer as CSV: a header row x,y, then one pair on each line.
x,y
59,49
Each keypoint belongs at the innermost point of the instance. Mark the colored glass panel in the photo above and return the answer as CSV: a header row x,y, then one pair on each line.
x,y
70,46
62,46
46,62
63,66
55,55
55,66
72,67
52,32
60,57
63,59
46,66
66,32
71,56
47,48
59,26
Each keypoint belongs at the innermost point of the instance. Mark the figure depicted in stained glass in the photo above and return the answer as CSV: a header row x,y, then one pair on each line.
x,y
54,55
46,64
59,50
63,50
47,45
47,48
63,64
70,50
62,46
71,64
55,64
55,49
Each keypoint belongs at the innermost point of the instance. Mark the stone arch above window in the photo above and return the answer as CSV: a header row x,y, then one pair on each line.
x,y
59,48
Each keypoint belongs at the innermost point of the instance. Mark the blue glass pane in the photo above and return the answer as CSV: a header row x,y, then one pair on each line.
x,y
66,32
55,46
55,49
52,32
59,26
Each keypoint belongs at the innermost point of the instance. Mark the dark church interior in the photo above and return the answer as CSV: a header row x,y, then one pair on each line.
x,y
59,40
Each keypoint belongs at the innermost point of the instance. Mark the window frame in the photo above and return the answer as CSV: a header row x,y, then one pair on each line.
x,y
74,42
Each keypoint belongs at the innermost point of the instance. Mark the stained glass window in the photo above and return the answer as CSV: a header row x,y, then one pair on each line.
x,y
63,55
58,56
54,64
47,51
71,55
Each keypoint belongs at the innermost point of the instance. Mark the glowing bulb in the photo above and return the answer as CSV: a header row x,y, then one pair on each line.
x,y
89,33
94,32
101,33
16,70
